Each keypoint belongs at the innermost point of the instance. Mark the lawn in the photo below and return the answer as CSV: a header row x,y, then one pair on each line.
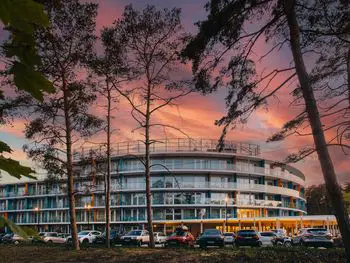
x,y
38,254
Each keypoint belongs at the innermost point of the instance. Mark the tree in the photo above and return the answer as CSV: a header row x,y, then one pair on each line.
x,y
226,32
318,201
109,68
20,18
60,121
151,40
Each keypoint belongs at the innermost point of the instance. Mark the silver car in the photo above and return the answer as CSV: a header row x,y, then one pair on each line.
x,y
315,237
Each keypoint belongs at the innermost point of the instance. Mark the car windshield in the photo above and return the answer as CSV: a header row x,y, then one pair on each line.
x,y
178,234
83,233
211,232
134,233
317,230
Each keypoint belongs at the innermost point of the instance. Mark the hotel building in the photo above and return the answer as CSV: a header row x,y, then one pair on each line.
x,y
192,183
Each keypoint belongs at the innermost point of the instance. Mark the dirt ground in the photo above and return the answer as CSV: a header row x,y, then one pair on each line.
x,y
39,254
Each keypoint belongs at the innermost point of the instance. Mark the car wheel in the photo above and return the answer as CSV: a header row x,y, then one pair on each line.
x,y
16,242
85,241
279,244
50,242
288,244
259,244
139,244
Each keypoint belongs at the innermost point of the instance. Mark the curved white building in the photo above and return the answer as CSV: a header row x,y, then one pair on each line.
x,y
192,183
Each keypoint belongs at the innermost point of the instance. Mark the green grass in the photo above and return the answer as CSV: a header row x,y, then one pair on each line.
x,y
38,254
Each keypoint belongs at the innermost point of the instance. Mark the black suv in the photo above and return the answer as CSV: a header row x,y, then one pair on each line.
x,y
211,237
247,238
114,238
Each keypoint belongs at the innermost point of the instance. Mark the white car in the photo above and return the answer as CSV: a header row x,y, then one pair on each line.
x,y
267,238
229,238
52,237
135,237
159,238
86,237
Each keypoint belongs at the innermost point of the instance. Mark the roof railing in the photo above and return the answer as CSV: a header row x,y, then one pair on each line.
x,y
169,145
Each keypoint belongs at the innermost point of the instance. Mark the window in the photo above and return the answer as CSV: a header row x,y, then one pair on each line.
x,y
158,198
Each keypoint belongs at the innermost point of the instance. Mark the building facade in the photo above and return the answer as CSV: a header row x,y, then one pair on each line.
x,y
192,183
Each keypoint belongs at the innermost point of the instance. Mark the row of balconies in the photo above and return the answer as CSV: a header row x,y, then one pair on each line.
x,y
202,202
181,185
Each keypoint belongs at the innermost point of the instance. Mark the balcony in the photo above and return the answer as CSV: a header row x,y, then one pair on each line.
x,y
171,145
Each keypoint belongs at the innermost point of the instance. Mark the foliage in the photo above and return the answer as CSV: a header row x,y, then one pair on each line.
x,y
62,119
21,18
4,222
151,41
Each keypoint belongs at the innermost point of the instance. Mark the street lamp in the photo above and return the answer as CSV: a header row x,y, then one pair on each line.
x,y
37,210
226,201
88,208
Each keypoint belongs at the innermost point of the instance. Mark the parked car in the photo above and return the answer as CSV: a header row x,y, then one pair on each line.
x,y
16,239
1,236
281,238
159,238
267,238
229,238
247,237
135,237
86,237
316,237
52,238
115,236
280,232
180,238
211,237
7,239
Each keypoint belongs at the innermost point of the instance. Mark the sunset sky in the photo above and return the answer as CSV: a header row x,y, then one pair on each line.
x,y
196,114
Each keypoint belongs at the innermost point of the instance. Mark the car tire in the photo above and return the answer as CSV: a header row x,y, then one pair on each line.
x,y
85,242
259,244
302,243
288,244
202,246
50,242
16,242
139,244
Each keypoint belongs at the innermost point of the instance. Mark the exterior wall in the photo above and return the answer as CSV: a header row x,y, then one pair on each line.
x,y
186,186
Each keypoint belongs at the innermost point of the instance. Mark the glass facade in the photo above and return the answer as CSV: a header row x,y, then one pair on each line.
x,y
191,188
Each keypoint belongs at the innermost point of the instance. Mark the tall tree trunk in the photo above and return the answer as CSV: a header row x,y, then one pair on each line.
x,y
348,69
70,176
108,176
148,170
328,171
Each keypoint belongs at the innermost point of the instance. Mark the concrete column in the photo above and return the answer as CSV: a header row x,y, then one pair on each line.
x,y
259,226
201,227
164,229
239,224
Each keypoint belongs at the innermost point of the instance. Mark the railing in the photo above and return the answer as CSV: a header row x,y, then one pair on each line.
x,y
169,145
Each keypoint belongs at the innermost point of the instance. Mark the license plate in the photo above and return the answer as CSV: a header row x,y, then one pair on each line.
x,y
210,242
173,242
127,240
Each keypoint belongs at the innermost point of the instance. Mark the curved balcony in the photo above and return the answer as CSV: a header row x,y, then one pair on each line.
x,y
255,188
170,145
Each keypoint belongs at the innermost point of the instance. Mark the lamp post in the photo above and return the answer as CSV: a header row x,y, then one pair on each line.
x,y
226,201
88,208
37,210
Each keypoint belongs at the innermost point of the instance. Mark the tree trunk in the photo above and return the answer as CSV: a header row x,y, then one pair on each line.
x,y
348,69
148,171
328,171
70,176
108,176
